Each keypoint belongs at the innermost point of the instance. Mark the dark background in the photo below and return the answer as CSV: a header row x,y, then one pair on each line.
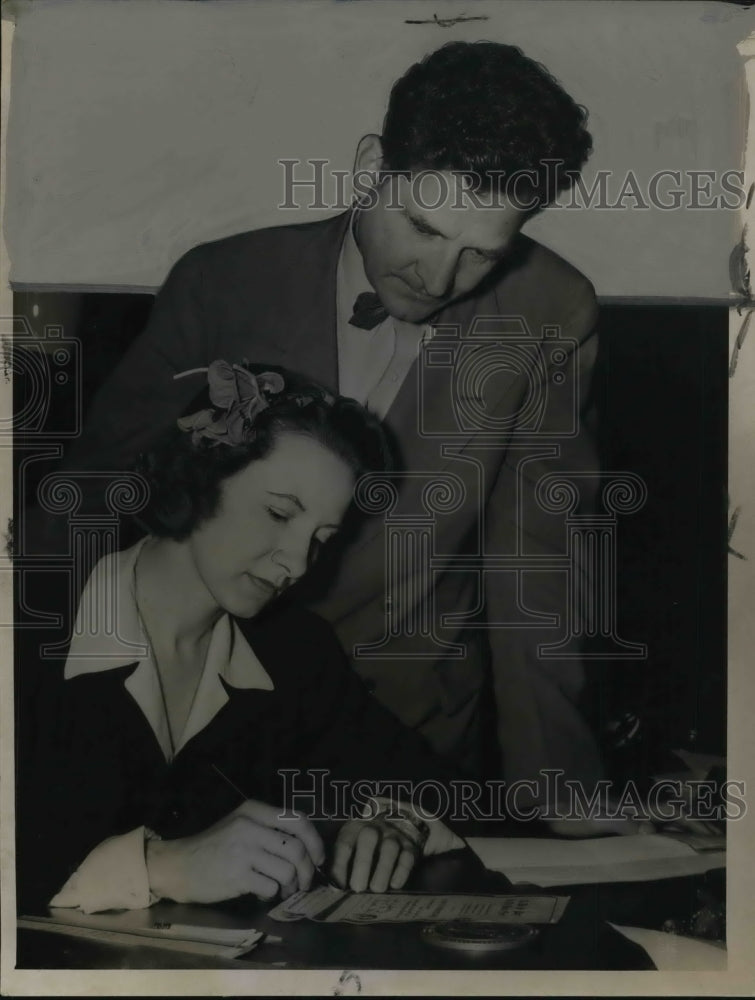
x,y
662,395
661,391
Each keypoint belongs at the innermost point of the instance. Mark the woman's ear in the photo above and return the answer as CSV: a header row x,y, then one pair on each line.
x,y
368,161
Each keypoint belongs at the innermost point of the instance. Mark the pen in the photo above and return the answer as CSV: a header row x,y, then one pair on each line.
x,y
320,871
329,882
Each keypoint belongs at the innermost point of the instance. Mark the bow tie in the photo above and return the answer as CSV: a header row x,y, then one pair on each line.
x,y
368,311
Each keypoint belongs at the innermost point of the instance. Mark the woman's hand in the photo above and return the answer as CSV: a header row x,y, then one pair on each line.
x,y
372,854
252,850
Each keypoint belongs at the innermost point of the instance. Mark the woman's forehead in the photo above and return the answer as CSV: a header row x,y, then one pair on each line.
x,y
299,466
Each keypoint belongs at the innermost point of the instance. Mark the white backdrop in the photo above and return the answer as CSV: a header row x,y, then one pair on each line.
x,y
141,128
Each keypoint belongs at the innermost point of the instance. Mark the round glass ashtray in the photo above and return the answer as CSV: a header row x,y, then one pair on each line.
x,y
470,936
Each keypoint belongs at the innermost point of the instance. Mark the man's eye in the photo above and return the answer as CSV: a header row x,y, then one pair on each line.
x,y
419,227
278,515
482,257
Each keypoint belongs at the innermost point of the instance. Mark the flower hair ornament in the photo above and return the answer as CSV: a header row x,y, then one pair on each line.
x,y
237,397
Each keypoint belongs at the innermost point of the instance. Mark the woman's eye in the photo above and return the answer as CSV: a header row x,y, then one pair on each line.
x,y
278,515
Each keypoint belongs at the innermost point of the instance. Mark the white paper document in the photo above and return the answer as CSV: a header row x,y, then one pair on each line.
x,y
307,904
674,952
545,862
395,907
137,928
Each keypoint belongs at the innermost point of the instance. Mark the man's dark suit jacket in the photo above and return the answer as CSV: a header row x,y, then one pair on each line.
x,y
90,766
270,296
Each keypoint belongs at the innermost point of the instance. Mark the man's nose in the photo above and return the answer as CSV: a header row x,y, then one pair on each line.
x,y
438,271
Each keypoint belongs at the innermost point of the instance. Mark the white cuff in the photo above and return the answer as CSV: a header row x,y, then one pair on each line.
x,y
113,876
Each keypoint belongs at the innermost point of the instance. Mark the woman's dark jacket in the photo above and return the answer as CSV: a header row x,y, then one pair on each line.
x,y
90,767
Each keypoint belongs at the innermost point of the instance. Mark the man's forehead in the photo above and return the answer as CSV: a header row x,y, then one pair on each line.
x,y
448,202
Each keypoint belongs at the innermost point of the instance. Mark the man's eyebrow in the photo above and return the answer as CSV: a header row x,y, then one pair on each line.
x,y
420,221
493,253
289,496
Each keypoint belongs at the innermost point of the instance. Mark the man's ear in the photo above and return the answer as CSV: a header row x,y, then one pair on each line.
x,y
369,157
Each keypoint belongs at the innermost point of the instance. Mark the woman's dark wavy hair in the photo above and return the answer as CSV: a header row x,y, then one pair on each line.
x,y
185,478
479,107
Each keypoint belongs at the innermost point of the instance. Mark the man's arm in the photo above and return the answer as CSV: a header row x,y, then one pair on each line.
x,y
140,398
134,405
539,724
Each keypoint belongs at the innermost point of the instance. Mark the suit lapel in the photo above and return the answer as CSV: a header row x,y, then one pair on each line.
x,y
247,712
303,307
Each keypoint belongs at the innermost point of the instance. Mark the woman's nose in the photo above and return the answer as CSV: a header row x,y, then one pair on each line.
x,y
292,560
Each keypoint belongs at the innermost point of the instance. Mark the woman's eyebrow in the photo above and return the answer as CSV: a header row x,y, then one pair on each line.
x,y
289,496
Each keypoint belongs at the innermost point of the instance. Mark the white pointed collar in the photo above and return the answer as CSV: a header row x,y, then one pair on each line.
x,y
108,633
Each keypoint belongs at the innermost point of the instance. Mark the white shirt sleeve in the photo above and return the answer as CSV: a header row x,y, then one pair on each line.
x,y
113,876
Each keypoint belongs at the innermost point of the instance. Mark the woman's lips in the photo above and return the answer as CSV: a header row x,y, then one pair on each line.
x,y
264,586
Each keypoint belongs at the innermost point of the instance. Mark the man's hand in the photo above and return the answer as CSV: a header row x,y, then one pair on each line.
x,y
372,854
252,850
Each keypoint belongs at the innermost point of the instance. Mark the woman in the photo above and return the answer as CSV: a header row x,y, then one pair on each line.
x,y
159,760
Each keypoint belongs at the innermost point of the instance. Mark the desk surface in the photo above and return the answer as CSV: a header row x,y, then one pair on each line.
x,y
581,940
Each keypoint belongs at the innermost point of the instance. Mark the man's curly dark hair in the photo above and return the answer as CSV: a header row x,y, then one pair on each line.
x,y
485,108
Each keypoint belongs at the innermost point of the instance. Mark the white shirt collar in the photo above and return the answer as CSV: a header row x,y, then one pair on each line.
x,y
351,279
108,633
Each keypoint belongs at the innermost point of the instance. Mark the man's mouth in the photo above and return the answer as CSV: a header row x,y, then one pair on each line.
x,y
419,295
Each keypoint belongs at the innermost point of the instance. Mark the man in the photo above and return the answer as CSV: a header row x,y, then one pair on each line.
x,y
420,268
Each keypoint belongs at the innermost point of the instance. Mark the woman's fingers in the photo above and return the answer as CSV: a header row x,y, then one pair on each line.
x,y
388,854
258,885
295,825
352,857
364,849
403,869
371,855
344,848
294,863
279,871
252,850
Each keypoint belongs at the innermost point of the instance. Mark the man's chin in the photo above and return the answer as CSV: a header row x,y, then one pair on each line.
x,y
414,312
